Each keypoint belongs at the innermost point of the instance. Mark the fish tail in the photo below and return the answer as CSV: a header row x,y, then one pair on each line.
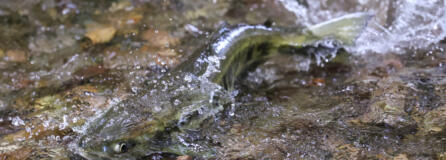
x,y
345,29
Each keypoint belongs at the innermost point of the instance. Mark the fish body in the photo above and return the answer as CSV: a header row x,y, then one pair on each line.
x,y
158,119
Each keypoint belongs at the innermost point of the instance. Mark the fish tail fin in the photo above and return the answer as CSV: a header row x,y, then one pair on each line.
x,y
345,29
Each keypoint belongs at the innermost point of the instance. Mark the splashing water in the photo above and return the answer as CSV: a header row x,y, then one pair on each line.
x,y
402,25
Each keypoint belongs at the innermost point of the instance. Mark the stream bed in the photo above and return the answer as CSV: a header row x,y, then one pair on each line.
x,y
75,75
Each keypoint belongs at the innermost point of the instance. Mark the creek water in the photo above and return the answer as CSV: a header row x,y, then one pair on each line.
x,y
66,64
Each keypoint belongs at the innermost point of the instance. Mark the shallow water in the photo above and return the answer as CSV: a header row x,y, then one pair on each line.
x,y
65,63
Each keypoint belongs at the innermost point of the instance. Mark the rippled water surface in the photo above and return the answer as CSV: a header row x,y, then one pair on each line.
x,y
81,79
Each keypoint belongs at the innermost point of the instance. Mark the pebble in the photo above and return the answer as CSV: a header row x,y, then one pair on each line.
x,y
185,157
16,55
160,38
2,53
167,52
400,157
120,5
236,128
100,34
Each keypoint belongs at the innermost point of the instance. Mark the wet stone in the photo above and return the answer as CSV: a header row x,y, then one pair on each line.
x,y
22,153
89,72
16,55
186,157
120,5
167,52
236,128
2,53
100,33
434,121
401,157
387,106
347,151
442,156
159,38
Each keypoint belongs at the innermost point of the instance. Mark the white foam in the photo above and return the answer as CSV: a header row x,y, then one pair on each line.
x,y
396,28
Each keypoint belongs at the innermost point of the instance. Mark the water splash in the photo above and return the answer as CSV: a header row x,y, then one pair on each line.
x,y
402,25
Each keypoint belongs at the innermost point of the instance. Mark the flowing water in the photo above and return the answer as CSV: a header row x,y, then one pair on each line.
x,y
66,65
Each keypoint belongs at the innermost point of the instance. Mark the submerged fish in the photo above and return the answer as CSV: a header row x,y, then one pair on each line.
x,y
159,119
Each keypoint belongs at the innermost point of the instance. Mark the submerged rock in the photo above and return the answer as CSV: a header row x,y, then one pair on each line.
x,y
160,38
160,42
185,158
434,121
21,153
16,55
400,157
442,156
100,33
388,104
2,53
347,151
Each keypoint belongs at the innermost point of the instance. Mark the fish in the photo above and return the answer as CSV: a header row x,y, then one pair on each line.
x,y
166,116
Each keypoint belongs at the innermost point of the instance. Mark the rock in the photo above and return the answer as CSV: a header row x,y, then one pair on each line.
x,y
388,106
48,44
400,157
160,42
441,156
434,121
389,112
126,21
2,53
347,151
207,10
317,82
22,82
387,67
167,52
120,5
89,72
160,38
185,157
16,56
37,133
20,153
100,33
2,105
48,102
236,128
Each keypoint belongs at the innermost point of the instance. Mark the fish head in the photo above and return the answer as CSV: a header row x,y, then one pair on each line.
x,y
112,149
126,131
153,122
124,142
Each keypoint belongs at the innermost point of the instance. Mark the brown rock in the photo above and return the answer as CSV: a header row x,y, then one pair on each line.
x,y
236,128
400,157
185,157
387,106
167,52
318,82
99,33
21,153
2,53
120,5
16,55
434,121
88,72
160,38
441,156
347,151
